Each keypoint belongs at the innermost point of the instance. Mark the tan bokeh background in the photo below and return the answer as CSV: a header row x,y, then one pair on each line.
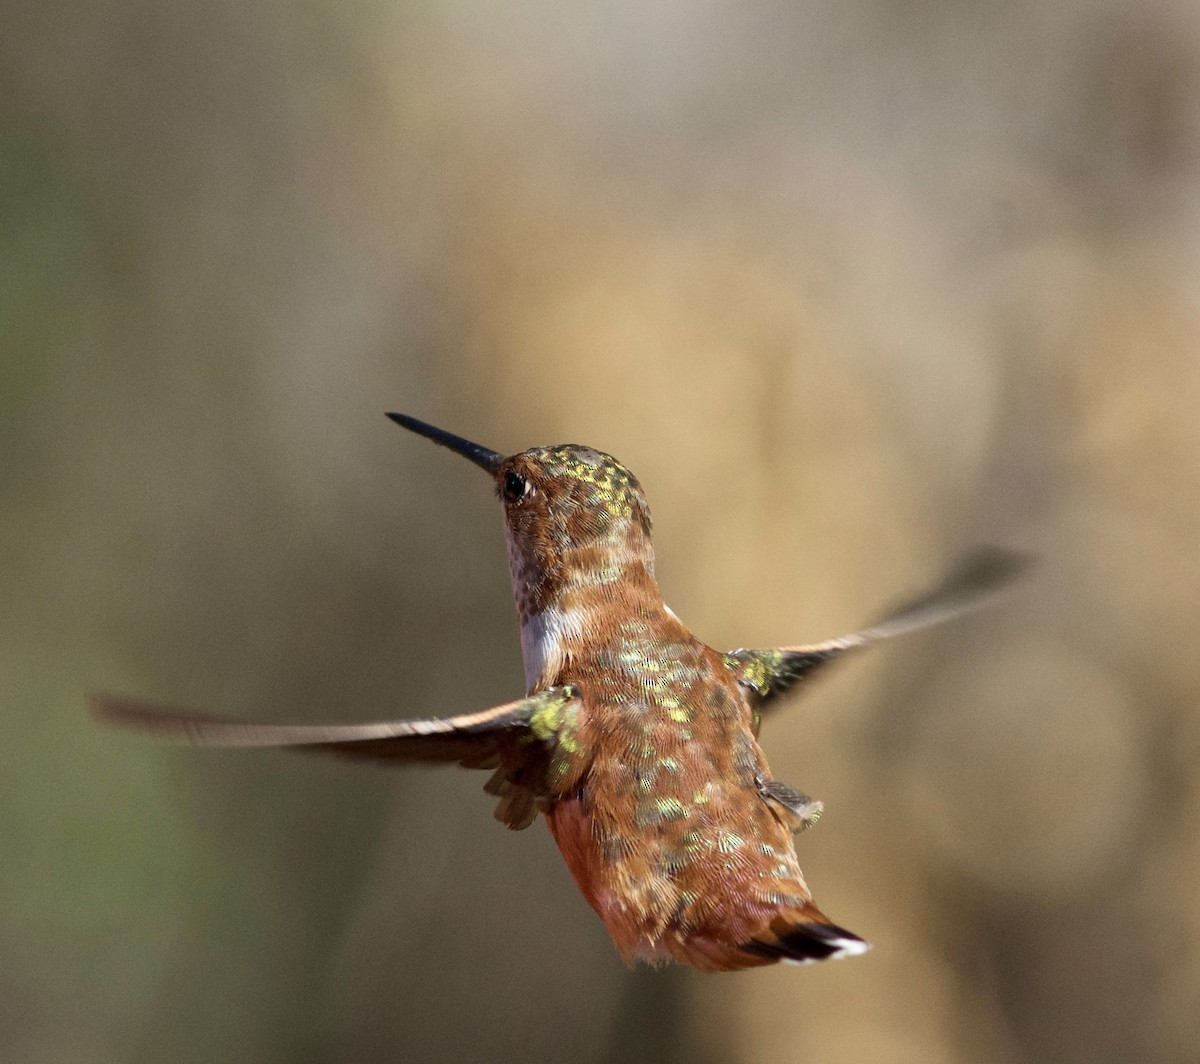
x,y
852,286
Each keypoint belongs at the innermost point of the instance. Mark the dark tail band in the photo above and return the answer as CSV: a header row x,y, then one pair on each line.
x,y
806,941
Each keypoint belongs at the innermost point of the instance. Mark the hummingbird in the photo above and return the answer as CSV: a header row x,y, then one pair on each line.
x,y
636,741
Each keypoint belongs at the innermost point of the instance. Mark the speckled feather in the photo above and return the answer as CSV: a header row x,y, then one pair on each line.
x,y
667,826
636,740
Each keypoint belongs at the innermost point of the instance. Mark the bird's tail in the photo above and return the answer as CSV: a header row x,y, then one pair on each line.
x,y
804,936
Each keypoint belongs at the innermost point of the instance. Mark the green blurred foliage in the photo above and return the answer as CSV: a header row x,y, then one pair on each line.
x,y
852,286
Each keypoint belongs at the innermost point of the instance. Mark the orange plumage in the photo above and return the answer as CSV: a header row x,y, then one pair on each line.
x,y
636,740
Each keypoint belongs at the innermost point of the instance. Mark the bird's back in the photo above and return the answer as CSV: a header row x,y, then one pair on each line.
x,y
668,834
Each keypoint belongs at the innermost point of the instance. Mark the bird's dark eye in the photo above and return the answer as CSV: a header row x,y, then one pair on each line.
x,y
515,488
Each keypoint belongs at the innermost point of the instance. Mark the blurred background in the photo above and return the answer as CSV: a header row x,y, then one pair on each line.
x,y
851,285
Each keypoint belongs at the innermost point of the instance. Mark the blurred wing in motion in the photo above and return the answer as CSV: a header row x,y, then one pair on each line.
x,y
769,673
473,739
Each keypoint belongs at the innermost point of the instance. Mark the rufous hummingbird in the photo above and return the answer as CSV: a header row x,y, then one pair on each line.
x,y
635,740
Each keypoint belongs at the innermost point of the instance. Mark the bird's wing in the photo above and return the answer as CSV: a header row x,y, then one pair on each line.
x,y
770,672
471,739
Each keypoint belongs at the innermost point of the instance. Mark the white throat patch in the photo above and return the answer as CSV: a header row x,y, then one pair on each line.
x,y
545,640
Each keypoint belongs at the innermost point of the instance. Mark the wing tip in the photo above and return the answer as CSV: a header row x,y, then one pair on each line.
x,y
163,723
993,567
111,709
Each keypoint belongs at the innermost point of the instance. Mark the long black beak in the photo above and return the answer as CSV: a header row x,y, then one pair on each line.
x,y
481,456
